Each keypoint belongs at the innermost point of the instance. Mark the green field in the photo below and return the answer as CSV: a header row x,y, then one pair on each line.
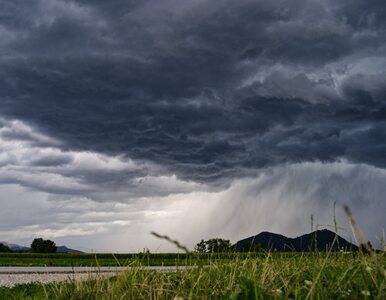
x,y
102,259
108,259
257,276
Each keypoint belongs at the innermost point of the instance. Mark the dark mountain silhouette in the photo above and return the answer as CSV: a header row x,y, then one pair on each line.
x,y
320,240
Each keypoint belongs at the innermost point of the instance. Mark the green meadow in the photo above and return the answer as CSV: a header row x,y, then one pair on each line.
x,y
101,259
221,276
108,259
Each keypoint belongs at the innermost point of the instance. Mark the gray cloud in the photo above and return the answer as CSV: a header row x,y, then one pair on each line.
x,y
46,168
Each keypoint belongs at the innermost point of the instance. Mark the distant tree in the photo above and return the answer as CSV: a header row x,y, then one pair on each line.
x,y
219,245
214,245
201,247
4,249
43,246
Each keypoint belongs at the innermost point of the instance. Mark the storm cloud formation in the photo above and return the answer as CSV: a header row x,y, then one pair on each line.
x,y
207,89
198,92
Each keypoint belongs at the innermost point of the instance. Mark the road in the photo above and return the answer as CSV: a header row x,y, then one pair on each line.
x,y
10,276
53,270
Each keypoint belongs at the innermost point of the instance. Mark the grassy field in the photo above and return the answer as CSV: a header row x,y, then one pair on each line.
x,y
103,259
108,259
262,276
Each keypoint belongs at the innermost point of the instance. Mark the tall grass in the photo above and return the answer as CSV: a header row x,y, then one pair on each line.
x,y
273,276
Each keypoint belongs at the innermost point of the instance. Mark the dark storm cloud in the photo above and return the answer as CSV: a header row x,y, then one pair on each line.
x,y
206,89
36,162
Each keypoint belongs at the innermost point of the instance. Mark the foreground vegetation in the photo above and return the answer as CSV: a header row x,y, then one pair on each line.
x,y
268,276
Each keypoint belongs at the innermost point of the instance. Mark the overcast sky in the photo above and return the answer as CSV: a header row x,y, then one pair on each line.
x,y
191,118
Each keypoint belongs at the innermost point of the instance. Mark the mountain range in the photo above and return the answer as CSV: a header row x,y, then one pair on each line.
x,y
320,240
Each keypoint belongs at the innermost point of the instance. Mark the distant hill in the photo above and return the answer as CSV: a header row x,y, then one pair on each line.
x,y
15,247
320,240
64,249
18,248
